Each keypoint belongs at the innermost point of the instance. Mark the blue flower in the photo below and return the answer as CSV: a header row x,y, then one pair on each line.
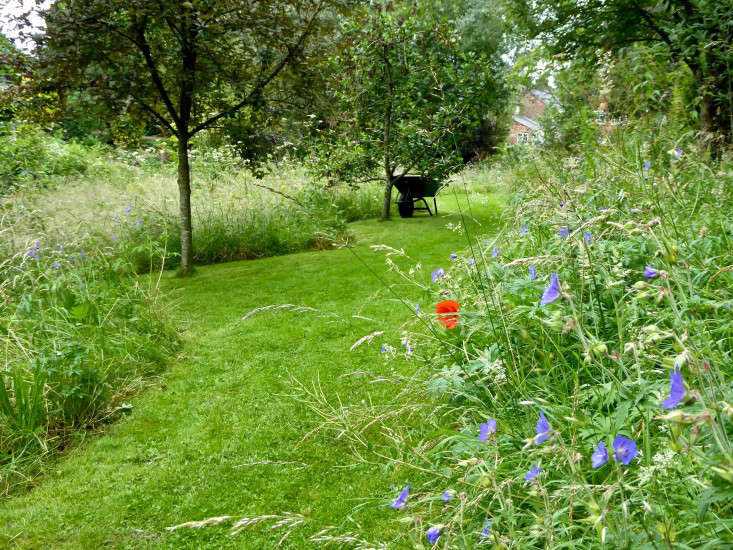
x,y
401,499
446,496
117,217
128,208
647,164
634,211
552,292
114,237
650,273
37,245
81,254
600,455
532,272
586,236
562,204
405,342
563,231
56,265
495,252
384,348
61,248
488,427
676,389
471,262
138,223
32,253
543,429
433,534
417,308
678,153
624,449
524,230
602,208
437,274
533,473
486,531
453,256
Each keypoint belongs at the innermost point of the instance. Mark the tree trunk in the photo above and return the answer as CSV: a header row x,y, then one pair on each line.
x,y
387,196
184,193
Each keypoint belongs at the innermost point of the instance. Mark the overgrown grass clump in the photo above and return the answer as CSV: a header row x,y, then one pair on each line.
x,y
594,410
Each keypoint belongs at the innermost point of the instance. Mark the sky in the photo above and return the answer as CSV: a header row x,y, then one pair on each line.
x,y
13,8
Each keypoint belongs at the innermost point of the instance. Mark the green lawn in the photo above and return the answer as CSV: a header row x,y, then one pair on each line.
x,y
187,450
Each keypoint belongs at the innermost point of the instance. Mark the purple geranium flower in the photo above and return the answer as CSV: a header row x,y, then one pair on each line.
x,y
524,230
384,348
543,429
562,204
117,217
650,273
600,455
138,223
495,252
471,262
487,428
417,308
437,274
128,208
486,531
624,449
678,153
634,211
61,248
433,534
56,265
453,256
647,164
552,292
401,499
532,272
676,389
445,497
114,237
587,237
563,231
602,208
32,253
533,473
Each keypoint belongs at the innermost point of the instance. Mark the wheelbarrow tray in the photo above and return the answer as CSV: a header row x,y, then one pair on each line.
x,y
414,189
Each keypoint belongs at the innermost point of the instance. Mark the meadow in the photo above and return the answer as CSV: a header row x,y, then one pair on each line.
x,y
545,365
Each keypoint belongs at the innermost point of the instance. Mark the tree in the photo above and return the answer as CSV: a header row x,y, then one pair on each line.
x,y
186,64
407,94
695,32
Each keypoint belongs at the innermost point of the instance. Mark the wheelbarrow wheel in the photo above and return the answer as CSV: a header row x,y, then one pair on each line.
x,y
405,206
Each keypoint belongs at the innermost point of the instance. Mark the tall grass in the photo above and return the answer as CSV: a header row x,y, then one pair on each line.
x,y
638,232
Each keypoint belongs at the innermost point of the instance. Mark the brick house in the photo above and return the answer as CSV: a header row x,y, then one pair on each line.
x,y
525,126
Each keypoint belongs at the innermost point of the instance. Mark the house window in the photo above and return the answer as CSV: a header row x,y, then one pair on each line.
x,y
522,137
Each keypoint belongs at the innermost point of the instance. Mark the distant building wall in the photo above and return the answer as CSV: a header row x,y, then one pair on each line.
x,y
517,129
532,107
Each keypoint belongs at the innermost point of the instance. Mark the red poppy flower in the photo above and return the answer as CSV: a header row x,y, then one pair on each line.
x,y
447,306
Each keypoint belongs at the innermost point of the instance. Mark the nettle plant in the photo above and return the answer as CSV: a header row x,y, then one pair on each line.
x,y
581,366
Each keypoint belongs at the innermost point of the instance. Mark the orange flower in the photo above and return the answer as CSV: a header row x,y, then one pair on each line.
x,y
447,306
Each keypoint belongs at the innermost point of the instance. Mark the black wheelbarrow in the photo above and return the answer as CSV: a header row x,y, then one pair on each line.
x,y
414,189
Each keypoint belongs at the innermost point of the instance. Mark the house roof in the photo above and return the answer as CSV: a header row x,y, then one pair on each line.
x,y
546,97
528,122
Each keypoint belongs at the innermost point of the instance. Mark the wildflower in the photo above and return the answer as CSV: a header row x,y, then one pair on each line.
x,y
128,208
562,204
117,217
552,292
624,449
405,342
647,164
495,252
81,254
488,427
384,348
437,274
600,455
453,256
650,273
563,231
433,534
417,308
634,211
56,265
61,248
446,496
586,236
486,531
676,389
471,262
524,230
678,153
543,429
533,473
37,245
138,223
447,306
602,208
114,237
32,253
401,499
532,272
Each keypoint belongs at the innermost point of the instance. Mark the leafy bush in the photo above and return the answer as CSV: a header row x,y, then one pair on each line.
x,y
584,396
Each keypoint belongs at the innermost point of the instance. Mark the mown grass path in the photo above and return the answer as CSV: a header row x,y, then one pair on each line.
x,y
218,435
